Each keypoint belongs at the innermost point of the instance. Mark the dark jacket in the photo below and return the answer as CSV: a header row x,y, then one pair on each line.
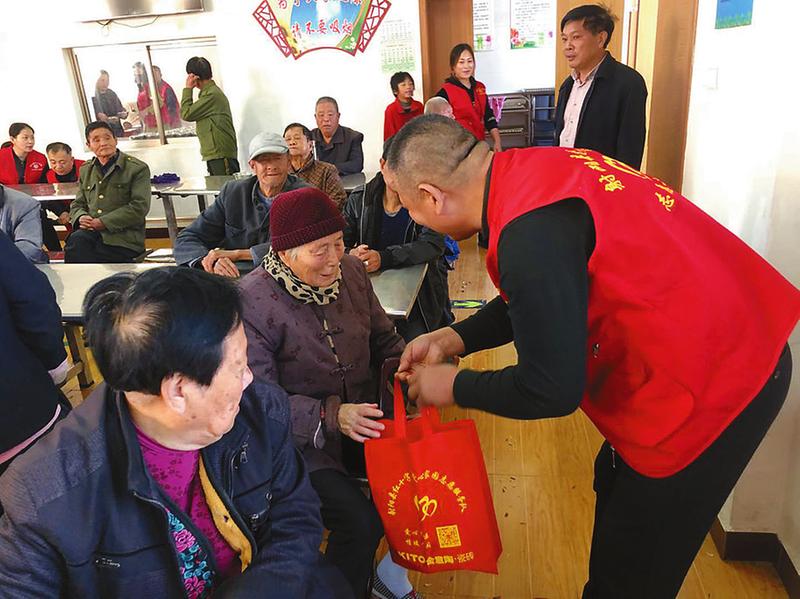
x,y
344,151
238,219
83,518
612,119
287,345
32,343
364,215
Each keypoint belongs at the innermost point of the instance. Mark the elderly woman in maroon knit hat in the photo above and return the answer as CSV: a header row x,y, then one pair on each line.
x,y
315,327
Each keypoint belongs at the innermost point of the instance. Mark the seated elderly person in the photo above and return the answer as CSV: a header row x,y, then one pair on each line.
x,y
113,199
64,168
381,234
235,228
438,105
177,477
337,144
322,175
316,328
19,219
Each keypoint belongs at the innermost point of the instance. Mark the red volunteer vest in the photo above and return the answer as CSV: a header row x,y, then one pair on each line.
x,y
685,321
35,164
468,113
51,174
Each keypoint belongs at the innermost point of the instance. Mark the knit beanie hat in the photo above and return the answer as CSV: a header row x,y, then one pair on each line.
x,y
302,216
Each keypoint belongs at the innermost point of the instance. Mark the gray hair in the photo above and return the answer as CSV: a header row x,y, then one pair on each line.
x,y
436,105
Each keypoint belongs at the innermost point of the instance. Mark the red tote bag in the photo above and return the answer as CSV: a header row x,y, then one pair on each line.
x,y
429,483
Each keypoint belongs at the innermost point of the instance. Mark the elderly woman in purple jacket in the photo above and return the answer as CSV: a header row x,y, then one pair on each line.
x,y
315,327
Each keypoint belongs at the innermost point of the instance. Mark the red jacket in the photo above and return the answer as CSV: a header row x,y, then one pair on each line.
x,y
396,116
468,113
35,165
51,174
685,321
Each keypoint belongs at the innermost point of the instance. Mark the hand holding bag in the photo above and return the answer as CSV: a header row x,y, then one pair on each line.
x,y
429,483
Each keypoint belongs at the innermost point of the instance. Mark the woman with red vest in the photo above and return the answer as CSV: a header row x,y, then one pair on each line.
x,y
170,107
19,162
624,299
468,96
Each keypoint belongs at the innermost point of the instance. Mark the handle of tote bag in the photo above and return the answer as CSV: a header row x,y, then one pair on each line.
x,y
429,416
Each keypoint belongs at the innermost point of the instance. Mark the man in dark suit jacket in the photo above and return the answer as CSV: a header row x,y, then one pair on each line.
x,y
601,105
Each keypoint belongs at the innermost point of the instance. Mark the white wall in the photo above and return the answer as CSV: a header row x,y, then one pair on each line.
x,y
503,70
266,90
743,167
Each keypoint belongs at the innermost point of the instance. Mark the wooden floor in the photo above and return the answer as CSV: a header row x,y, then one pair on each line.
x,y
541,475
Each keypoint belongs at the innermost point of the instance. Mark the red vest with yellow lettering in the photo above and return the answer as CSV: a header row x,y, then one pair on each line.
x,y
685,321
35,164
469,114
51,174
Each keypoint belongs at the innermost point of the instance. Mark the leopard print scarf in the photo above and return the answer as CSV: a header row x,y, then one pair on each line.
x,y
302,292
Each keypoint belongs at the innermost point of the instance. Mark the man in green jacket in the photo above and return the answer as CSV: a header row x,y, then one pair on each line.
x,y
113,199
212,113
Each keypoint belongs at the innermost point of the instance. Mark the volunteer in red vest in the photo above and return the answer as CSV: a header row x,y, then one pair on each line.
x,y
63,169
624,299
468,96
19,162
168,100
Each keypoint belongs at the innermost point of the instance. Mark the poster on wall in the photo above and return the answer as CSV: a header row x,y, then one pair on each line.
x,y
397,47
300,26
532,24
482,24
734,13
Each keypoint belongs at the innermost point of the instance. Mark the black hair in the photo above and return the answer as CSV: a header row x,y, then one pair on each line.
x,y
386,147
456,52
58,146
197,65
17,128
145,327
94,125
397,79
306,130
595,17
327,99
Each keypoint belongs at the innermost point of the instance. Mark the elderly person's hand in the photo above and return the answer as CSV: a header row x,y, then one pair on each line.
x,y
432,385
370,258
85,222
357,421
432,348
222,262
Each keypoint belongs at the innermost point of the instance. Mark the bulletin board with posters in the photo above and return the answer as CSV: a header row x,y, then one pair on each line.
x,y
532,24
